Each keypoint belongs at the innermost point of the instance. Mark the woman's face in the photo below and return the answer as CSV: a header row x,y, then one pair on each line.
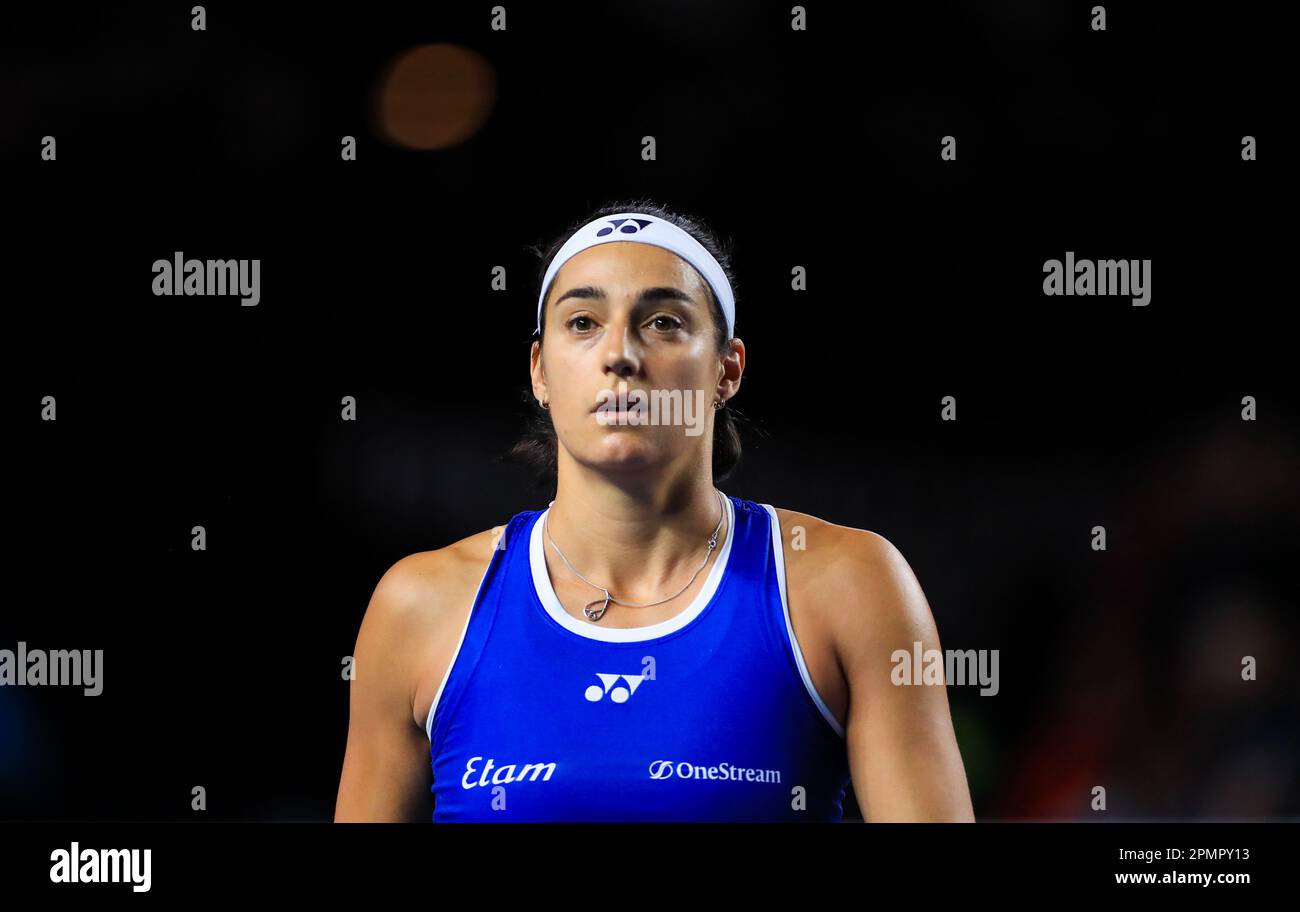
x,y
631,317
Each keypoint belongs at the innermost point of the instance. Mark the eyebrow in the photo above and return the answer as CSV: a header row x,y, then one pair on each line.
x,y
647,295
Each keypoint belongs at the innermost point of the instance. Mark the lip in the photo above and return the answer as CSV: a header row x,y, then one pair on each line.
x,y
610,403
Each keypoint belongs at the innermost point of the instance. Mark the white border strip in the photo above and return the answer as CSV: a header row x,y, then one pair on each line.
x,y
551,602
428,722
785,608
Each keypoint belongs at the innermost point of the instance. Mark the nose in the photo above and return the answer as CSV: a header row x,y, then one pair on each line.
x,y
622,355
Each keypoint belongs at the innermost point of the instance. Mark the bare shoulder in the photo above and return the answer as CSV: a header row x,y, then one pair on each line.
x,y
417,611
828,546
423,581
856,580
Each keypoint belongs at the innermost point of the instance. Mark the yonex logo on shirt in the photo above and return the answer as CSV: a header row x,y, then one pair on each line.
x,y
619,694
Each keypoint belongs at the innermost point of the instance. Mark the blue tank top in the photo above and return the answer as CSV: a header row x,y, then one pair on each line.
x,y
708,716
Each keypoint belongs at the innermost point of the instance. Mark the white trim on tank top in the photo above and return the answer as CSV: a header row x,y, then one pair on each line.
x,y
785,608
551,602
446,675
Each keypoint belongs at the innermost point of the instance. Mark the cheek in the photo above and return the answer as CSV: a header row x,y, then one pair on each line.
x,y
688,372
561,366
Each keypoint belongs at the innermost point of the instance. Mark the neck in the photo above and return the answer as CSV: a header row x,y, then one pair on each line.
x,y
641,541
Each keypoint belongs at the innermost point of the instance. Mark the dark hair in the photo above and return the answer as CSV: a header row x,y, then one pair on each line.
x,y
538,447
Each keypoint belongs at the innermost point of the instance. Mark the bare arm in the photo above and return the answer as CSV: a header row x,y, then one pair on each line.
x,y
903,754
386,770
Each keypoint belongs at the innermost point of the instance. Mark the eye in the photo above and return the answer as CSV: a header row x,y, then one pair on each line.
x,y
573,320
673,322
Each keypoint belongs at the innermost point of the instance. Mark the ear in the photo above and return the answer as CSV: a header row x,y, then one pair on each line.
x,y
730,370
538,374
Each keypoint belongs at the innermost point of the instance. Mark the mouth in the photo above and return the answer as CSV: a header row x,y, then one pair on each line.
x,y
611,406
614,415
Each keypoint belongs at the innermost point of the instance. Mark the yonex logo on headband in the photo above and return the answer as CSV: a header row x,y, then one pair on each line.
x,y
625,229
638,228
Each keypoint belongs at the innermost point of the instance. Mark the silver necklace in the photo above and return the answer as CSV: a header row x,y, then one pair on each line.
x,y
595,614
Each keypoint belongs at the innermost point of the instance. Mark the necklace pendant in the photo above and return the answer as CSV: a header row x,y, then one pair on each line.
x,y
595,614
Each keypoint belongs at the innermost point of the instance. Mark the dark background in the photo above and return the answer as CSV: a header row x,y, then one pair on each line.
x,y
816,148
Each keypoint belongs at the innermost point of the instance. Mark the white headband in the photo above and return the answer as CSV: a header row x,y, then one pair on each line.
x,y
643,229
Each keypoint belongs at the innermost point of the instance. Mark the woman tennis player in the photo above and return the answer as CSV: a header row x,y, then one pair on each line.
x,y
646,648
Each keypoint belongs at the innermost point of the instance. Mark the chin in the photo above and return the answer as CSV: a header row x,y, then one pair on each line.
x,y
624,452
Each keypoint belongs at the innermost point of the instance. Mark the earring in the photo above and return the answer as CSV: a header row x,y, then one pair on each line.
x,y
719,403
545,405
